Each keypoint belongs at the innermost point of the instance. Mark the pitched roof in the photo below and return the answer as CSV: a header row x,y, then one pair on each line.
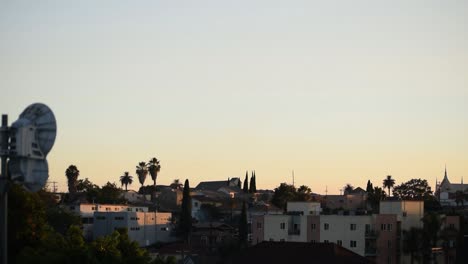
x,y
211,185
297,252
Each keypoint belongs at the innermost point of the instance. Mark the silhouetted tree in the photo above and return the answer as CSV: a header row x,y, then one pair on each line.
x,y
246,186
154,167
142,172
388,183
374,198
412,243
283,194
251,183
369,187
303,193
414,189
185,223
254,188
348,188
243,231
126,179
72,174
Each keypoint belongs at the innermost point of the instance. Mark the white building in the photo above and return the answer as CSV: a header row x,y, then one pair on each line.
x,y
145,228
86,212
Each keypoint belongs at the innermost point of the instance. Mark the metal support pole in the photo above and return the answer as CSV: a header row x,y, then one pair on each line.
x,y
4,189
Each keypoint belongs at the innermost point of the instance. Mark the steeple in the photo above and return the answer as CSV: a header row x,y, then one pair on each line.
x,y
445,175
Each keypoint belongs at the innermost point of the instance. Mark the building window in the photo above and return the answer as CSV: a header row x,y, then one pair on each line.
x,y
325,241
283,226
313,241
389,244
100,218
352,243
452,226
352,226
259,225
389,227
312,226
339,242
326,226
368,228
119,218
382,227
196,204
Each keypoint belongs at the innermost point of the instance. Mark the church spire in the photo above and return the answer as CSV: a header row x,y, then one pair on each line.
x,y
445,175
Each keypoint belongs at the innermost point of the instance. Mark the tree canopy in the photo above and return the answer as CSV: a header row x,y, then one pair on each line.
x,y
414,189
288,193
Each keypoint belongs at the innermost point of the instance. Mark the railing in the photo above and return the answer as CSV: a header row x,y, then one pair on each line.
x,y
294,232
371,234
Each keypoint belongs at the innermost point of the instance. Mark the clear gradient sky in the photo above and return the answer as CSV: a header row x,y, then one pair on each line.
x,y
338,91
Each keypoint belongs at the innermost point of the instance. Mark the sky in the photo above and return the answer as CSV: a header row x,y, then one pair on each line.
x,y
337,91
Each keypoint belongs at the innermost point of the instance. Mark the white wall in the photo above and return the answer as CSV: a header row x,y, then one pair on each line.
x,y
340,229
307,208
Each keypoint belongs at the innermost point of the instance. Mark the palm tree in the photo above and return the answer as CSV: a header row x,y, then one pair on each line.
x,y
126,179
142,172
388,183
154,168
72,174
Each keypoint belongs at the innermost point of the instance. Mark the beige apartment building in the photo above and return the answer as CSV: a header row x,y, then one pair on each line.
x,y
377,236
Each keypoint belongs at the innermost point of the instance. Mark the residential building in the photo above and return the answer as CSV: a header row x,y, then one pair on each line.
x,y
377,237
86,212
145,228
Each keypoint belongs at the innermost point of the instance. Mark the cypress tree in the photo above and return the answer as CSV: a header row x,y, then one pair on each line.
x,y
185,224
251,183
254,188
243,226
369,187
246,184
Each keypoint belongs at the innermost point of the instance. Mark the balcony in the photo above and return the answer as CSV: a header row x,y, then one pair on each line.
x,y
371,234
370,252
294,232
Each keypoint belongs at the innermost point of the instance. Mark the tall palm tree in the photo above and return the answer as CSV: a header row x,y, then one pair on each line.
x,y
126,179
388,183
154,167
72,174
142,172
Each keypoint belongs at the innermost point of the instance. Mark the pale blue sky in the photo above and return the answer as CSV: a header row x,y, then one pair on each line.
x,y
341,92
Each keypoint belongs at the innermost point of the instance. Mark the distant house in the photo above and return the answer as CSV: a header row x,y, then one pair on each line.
x,y
145,228
134,197
297,252
209,236
216,185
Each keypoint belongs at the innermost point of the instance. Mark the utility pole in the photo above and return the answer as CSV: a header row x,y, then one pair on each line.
x,y
54,186
4,189
293,177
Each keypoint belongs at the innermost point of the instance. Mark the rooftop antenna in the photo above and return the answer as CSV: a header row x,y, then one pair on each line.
x,y
293,177
23,148
326,190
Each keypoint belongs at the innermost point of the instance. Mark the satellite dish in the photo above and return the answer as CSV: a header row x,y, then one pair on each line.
x,y
31,138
